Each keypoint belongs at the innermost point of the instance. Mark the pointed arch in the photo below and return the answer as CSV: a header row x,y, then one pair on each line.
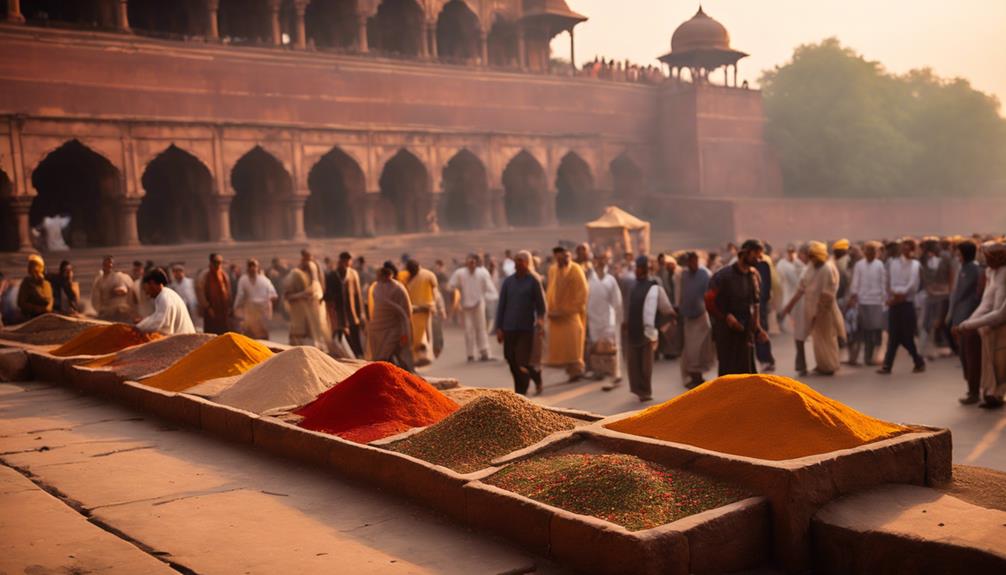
x,y
466,193
338,189
96,13
576,200
331,23
525,189
406,201
175,208
262,186
458,33
75,180
503,50
627,181
397,28
175,18
8,219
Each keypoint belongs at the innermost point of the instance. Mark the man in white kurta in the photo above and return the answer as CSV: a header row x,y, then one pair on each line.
x,y
867,294
475,285
790,270
170,316
254,302
604,315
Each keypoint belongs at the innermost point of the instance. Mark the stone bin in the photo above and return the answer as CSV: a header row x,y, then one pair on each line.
x,y
797,488
14,365
731,538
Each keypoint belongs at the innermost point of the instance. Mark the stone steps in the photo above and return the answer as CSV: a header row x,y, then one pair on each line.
x,y
904,529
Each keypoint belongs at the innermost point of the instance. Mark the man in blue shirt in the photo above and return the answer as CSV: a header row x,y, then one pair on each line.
x,y
519,314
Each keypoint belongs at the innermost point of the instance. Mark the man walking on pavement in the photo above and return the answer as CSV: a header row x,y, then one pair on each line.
x,y
475,284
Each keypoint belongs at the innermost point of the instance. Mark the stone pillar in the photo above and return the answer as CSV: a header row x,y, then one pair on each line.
x,y
300,6
22,207
277,32
296,211
212,20
362,44
14,14
521,49
497,207
434,47
484,46
220,219
548,217
128,234
424,41
369,213
122,16
572,51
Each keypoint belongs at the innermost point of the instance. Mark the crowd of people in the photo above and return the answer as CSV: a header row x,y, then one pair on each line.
x,y
622,71
589,314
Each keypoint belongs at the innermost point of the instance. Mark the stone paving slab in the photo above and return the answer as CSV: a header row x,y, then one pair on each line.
x,y
215,507
42,535
909,529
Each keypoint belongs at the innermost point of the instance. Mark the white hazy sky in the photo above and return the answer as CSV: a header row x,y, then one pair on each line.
x,y
965,38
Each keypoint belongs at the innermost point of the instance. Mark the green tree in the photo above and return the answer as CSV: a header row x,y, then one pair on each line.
x,y
844,127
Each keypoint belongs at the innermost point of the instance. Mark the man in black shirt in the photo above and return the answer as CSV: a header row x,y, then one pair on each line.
x,y
733,303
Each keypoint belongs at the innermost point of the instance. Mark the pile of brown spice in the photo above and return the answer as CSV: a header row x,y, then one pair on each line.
x,y
48,329
622,489
488,427
148,359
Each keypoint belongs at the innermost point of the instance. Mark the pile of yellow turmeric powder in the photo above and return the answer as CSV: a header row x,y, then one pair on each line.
x,y
223,356
762,416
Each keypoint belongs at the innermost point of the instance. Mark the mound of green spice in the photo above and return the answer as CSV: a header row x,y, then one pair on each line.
x,y
482,430
622,489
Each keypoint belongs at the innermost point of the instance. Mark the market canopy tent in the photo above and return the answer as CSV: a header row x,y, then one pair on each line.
x,y
619,231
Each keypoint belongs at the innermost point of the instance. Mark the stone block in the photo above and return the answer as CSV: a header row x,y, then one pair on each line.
x,y
595,546
45,367
733,538
169,406
224,421
14,365
519,519
939,458
93,381
286,440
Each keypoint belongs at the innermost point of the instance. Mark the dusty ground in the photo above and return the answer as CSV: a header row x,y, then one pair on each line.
x,y
980,486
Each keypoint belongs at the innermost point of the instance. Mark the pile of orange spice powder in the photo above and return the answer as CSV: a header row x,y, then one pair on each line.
x,y
223,356
378,401
761,416
104,339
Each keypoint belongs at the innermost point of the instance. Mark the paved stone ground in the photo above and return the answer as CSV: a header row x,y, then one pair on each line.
x,y
136,496
928,399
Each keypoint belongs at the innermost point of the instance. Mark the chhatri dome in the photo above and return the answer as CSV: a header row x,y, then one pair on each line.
x,y
700,45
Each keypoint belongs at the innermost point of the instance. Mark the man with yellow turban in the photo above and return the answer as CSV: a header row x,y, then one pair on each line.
x,y
422,286
819,285
34,297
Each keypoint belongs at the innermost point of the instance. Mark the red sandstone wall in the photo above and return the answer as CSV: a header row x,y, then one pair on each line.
x,y
678,152
734,160
113,76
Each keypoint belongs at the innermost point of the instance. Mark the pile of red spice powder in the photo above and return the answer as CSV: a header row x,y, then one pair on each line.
x,y
378,401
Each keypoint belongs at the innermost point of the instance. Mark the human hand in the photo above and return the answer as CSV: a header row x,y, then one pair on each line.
x,y
733,324
499,336
762,336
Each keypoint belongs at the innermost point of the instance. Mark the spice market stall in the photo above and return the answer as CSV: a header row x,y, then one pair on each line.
x,y
619,231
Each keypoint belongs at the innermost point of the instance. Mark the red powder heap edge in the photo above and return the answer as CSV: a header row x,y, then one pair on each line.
x,y
377,401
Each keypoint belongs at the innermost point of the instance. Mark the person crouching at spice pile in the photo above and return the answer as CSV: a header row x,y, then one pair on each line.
x,y
646,299
519,316
171,315
254,301
34,297
566,299
733,303
389,331
422,287
989,320
819,285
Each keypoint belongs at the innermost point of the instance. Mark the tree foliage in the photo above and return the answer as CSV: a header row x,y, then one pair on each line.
x,y
845,127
